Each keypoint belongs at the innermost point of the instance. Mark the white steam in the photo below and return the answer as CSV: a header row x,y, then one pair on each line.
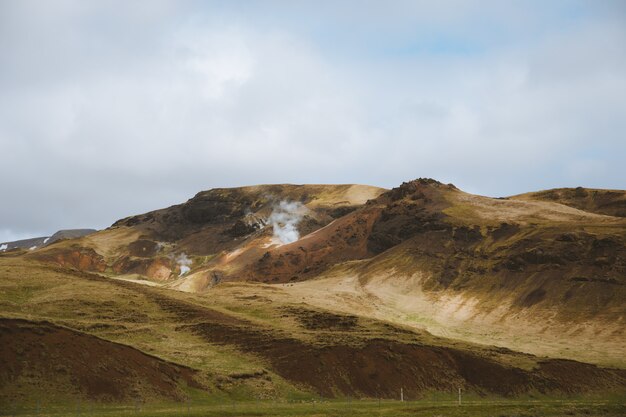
x,y
284,220
183,263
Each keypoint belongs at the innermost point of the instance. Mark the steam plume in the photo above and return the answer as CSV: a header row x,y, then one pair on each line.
x,y
183,263
284,220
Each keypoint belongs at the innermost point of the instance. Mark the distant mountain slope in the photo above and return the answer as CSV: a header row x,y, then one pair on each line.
x,y
32,243
70,234
39,242
609,202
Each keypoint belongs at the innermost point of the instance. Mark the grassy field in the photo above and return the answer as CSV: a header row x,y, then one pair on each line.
x,y
514,302
122,313
218,334
426,408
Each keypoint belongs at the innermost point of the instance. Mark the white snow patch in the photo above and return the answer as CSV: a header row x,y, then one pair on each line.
x,y
46,240
32,248
4,247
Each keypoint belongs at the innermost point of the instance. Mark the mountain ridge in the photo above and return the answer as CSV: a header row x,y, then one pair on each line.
x,y
38,242
528,290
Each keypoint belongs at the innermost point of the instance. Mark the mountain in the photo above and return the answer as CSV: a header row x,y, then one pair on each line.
x,y
454,263
212,223
38,242
349,290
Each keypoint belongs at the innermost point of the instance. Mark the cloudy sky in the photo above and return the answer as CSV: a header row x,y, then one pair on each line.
x,y
112,108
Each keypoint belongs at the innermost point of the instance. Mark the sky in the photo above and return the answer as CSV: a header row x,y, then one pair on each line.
x,y
112,108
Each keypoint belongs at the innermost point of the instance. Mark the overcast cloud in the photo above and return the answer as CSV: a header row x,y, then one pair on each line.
x,y
112,108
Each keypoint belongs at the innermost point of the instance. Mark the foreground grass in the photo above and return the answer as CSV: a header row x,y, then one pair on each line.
x,y
496,408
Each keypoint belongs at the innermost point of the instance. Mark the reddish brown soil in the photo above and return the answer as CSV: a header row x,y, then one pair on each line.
x,y
343,240
212,221
412,209
97,369
85,259
158,268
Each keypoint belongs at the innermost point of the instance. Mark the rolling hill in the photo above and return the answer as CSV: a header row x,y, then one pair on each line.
x,y
336,290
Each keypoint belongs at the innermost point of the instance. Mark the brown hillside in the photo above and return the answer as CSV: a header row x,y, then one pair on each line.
x,y
380,367
42,360
518,272
219,219
214,222
609,202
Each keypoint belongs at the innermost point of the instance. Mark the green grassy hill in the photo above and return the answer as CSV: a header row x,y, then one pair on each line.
x,y
423,288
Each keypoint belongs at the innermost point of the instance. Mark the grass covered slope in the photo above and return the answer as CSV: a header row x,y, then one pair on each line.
x,y
247,343
55,363
608,202
515,272
422,287
126,314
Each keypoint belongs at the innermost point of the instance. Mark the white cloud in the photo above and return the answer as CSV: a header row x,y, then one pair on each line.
x,y
108,110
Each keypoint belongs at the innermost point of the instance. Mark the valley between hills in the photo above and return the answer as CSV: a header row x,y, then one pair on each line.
x,y
285,291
